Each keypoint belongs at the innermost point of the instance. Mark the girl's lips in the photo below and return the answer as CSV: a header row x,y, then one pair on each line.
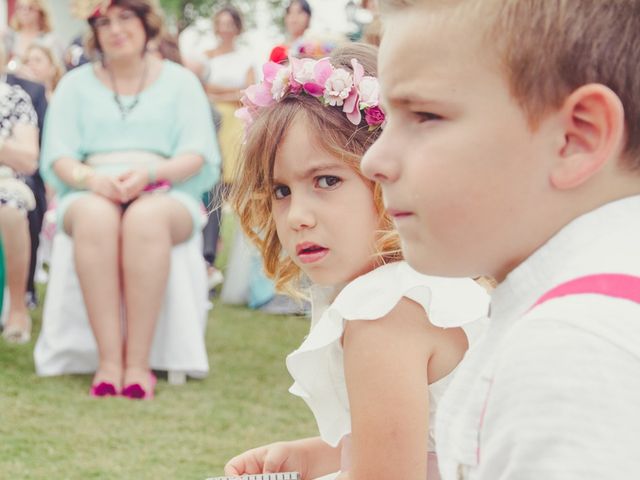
x,y
310,252
313,256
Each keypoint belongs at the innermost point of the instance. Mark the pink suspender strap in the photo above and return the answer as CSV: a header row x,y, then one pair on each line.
x,y
614,285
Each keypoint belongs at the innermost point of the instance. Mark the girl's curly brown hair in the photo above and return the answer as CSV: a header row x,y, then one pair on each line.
x,y
251,194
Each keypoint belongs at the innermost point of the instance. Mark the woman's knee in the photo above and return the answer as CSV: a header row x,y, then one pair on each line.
x,y
12,217
154,217
93,216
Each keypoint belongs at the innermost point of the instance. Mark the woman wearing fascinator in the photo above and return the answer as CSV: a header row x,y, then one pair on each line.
x,y
128,147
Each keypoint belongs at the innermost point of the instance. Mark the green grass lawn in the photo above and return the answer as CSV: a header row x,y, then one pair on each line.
x,y
51,428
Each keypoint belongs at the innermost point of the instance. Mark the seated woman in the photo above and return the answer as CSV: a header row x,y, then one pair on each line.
x,y
18,157
128,146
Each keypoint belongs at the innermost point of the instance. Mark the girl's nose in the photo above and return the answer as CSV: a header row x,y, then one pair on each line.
x,y
301,214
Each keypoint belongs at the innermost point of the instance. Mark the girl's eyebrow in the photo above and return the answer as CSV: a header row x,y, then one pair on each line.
x,y
314,170
322,168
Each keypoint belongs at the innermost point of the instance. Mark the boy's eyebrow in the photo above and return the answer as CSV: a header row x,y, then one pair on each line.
x,y
402,99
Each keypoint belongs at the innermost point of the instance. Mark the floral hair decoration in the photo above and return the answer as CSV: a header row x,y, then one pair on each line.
x,y
356,93
88,9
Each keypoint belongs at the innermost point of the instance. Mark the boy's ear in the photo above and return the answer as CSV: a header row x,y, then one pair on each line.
x,y
593,123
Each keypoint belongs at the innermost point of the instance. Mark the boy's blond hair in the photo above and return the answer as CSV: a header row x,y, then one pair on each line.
x,y
549,48
252,191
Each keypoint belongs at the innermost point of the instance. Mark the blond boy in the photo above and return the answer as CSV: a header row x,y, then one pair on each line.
x,y
512,149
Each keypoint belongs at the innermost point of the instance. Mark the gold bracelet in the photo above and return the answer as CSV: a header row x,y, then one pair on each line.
x,y
80,174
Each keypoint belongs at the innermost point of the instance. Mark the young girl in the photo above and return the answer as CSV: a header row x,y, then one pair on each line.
x,y
374,364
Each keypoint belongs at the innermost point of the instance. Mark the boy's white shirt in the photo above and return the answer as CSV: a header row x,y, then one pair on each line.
x,y
562,380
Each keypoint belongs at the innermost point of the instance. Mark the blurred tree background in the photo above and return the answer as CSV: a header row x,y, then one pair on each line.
x,y
183,12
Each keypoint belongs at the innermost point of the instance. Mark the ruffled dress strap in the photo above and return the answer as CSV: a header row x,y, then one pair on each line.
x,y
317,366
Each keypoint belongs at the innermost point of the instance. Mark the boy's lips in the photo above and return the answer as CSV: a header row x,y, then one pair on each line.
x,y
309,252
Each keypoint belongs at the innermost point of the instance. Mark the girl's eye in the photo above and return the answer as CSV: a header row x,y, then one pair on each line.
x,y
281,191
426,116
327,181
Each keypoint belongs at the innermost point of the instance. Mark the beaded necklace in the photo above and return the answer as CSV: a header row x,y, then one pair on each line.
x,y
125,110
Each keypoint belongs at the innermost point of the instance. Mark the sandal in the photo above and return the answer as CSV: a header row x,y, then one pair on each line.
x,y
18,335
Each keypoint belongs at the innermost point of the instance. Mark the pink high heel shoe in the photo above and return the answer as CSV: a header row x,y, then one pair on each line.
x,y
135,391
103,389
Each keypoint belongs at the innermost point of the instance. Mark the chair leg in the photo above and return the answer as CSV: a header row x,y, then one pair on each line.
x,y
176,377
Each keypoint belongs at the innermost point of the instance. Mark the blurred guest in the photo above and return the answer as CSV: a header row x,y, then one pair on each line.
x,y
36,92
18,157
30,22
370,21
39,64
297,19
165,46
128,140
230,71
74,55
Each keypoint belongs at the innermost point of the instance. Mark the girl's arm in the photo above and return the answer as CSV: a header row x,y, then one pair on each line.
x,y
20,151
311,457
386,364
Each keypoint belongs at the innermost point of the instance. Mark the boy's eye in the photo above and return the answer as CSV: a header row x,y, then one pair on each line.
x,y
327,181
281,191
426,116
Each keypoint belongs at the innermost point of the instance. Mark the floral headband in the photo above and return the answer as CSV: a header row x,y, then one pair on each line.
x,y
87,9
357,94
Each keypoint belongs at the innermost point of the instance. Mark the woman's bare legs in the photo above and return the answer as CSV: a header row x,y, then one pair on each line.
x,y
151,226
14,227
94,224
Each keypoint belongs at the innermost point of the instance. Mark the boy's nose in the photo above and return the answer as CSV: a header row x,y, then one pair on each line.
x,y
380,161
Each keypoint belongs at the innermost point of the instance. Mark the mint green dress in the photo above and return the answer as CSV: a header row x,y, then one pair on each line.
x,y
172,117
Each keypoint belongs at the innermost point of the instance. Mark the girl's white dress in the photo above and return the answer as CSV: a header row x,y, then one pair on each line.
x,y
317,366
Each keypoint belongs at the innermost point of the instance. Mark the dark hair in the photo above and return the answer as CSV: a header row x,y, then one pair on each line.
x,y
235,15
304,5
146,10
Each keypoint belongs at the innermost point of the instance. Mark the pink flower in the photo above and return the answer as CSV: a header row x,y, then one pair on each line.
x,y
322,71
258,95
358,71
338,87
270,70
352,109
374,116
244,114
280,84
369,89
302,71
